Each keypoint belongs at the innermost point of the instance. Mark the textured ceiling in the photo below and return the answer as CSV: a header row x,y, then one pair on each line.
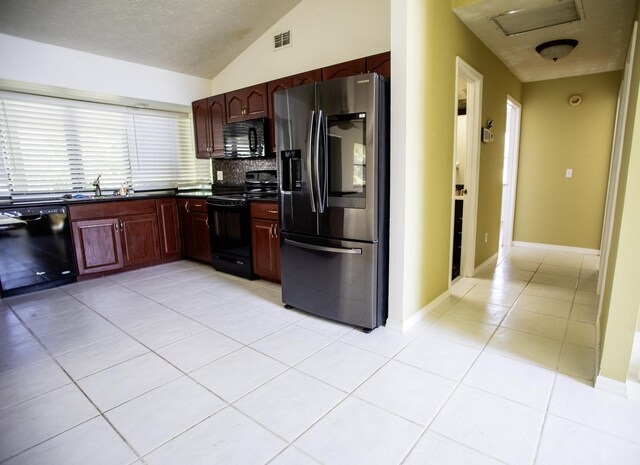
x,y
196,37
603,34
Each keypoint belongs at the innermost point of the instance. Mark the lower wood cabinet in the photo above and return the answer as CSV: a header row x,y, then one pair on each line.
x,y
140,243
195,229
98,245
169,229
265,240
109,236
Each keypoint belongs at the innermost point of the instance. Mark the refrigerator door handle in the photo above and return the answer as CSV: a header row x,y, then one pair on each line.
x,y
321,248
320,162
309,156
319,154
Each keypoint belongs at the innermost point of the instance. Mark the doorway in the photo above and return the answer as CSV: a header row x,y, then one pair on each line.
x,y
510,171
466,169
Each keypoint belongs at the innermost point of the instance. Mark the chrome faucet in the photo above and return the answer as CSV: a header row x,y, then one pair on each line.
x,y
97,184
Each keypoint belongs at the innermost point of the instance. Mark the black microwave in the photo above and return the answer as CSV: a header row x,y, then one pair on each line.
x,y
246,139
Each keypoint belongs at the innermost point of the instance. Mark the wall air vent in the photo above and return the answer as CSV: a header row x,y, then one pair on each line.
x,y
282,40
531,19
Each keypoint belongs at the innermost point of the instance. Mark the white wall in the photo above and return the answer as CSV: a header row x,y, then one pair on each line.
x,y
322,33
39,64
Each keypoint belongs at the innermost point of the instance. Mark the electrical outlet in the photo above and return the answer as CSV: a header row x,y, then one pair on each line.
x,y
568,173
486,237
219,176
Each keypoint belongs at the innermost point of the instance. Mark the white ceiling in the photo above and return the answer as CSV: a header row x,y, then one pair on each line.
x,y
603,37
201,37
196,37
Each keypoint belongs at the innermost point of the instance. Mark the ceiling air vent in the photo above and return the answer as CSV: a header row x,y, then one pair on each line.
x,y
281,40
531,19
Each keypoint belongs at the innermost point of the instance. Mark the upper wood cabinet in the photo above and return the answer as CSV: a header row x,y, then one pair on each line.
x,y
247,103
288,82
209,115
380,63
272,88
348,68
307,77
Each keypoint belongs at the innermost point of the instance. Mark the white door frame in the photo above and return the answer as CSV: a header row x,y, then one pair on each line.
x,y
512,175
614,166
472,166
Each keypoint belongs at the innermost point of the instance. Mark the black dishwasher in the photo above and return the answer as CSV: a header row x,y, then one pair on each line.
x,y
36,251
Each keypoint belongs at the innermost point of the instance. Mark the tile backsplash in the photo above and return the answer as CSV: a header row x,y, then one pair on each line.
x,y
233,170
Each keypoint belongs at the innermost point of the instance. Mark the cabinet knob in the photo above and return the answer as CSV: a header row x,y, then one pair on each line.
x,y
186,207
275,212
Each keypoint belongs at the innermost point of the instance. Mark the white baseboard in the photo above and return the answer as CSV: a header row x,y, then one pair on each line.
x,y
405,325
611,385
557,248
486,263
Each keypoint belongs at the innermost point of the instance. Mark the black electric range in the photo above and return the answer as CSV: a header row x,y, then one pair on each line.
x,y
230,223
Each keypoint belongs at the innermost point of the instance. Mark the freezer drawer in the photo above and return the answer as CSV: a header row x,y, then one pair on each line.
x,y
333,279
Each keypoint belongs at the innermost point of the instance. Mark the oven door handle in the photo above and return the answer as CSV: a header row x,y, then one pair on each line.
x,y
321,248
226,206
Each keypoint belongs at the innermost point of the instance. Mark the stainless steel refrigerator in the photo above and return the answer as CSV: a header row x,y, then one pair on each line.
x,y
332,142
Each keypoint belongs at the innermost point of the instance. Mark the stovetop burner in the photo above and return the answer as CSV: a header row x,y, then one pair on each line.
x,y
257,185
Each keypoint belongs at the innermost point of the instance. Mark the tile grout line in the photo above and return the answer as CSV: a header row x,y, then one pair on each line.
x,y
73,381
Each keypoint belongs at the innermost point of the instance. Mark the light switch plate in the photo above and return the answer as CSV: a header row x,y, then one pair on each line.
x,y
569,173
219,176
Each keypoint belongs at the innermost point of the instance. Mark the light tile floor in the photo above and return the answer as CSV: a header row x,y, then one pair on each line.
x,y
179,364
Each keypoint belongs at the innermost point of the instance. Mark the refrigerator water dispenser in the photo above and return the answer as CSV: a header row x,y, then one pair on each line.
x,y
291,170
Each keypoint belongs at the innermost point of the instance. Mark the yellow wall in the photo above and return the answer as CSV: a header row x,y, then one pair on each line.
x,y
621,297
550,208
430,164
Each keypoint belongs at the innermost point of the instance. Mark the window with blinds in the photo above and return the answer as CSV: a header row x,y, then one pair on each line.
x,y
54,145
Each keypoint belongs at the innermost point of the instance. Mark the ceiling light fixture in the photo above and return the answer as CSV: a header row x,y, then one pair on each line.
x,y
556,49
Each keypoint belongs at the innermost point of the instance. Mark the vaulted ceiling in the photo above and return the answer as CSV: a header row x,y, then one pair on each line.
x,y
201,37
196,37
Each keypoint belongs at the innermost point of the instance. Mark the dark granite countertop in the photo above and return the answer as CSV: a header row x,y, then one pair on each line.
x,y
32,202
35,202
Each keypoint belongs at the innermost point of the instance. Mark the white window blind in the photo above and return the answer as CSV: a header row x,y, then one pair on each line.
x,y
54,145
164,155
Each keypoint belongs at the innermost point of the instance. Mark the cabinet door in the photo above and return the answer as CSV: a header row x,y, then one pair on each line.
x,y
97,245
307,77
248,103
169,229
199,230
201,128
217,117
140,243
380,63
348,68
272,88
185,227
266,249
